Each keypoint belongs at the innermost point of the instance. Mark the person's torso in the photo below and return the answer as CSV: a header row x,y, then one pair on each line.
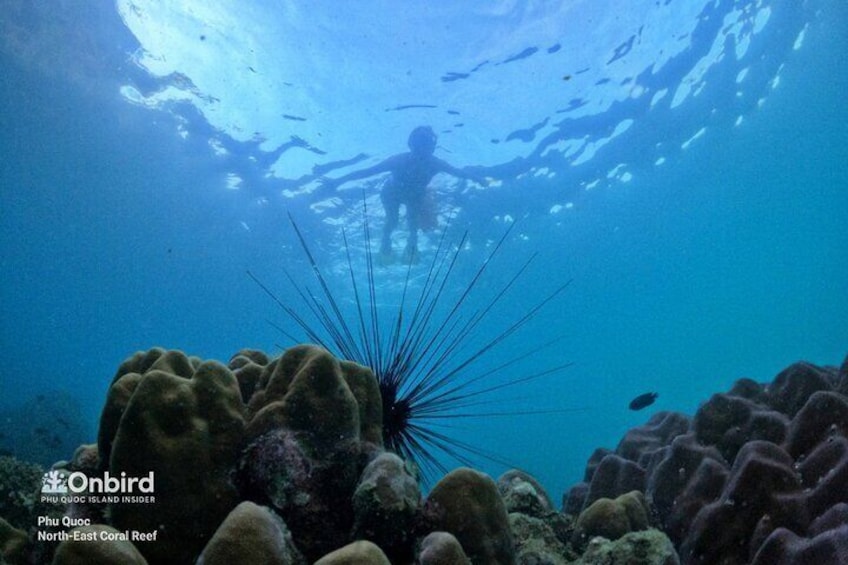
x,y
411,174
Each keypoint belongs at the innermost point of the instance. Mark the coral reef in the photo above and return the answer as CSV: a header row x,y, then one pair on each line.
x,y
251,534
522,493
540,533
537,542
305,392
386,504
611,519
759,474
649,547
467,504
91,547
826,544
282,461
441,548
361,552
43,428
181,420
13,543
307,419
19,484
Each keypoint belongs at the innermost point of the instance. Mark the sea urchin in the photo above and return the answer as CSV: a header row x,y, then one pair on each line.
x,y
423,353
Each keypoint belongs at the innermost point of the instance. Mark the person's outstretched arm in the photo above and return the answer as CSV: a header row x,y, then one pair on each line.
x,y
464,173
381,167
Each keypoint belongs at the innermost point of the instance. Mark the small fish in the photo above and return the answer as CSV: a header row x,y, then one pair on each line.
x,y
643,400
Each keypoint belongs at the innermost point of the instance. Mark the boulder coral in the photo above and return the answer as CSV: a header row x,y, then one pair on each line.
x,y
311,426
322,400
540,533
611,519
357,553
441,548
728,422
251,534
96,550
537,542
466,503
13,543
248,365
522,493
827,542
181,420
86,460
293,433
689,476
386,504
123,384
610,473
310,493
649,547
760,477
759,473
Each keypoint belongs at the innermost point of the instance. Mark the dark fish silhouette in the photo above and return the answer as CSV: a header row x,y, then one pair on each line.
x,y
643,400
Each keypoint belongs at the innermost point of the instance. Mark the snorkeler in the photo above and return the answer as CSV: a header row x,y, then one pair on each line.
x,y
411,173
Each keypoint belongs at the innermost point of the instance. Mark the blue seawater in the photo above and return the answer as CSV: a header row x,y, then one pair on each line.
x,y
683,164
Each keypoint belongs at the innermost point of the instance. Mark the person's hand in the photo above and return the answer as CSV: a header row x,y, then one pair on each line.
x,y
473,174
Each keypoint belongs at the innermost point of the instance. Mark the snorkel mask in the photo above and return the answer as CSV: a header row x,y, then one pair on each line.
x,y
422,140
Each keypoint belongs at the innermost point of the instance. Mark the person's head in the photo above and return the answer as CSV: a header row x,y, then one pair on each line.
x,y
422,141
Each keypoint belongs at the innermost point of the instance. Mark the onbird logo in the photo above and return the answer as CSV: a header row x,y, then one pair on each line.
x,y
54,482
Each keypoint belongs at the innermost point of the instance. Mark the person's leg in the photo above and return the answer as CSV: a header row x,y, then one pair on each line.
x,y
391,206
413,221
